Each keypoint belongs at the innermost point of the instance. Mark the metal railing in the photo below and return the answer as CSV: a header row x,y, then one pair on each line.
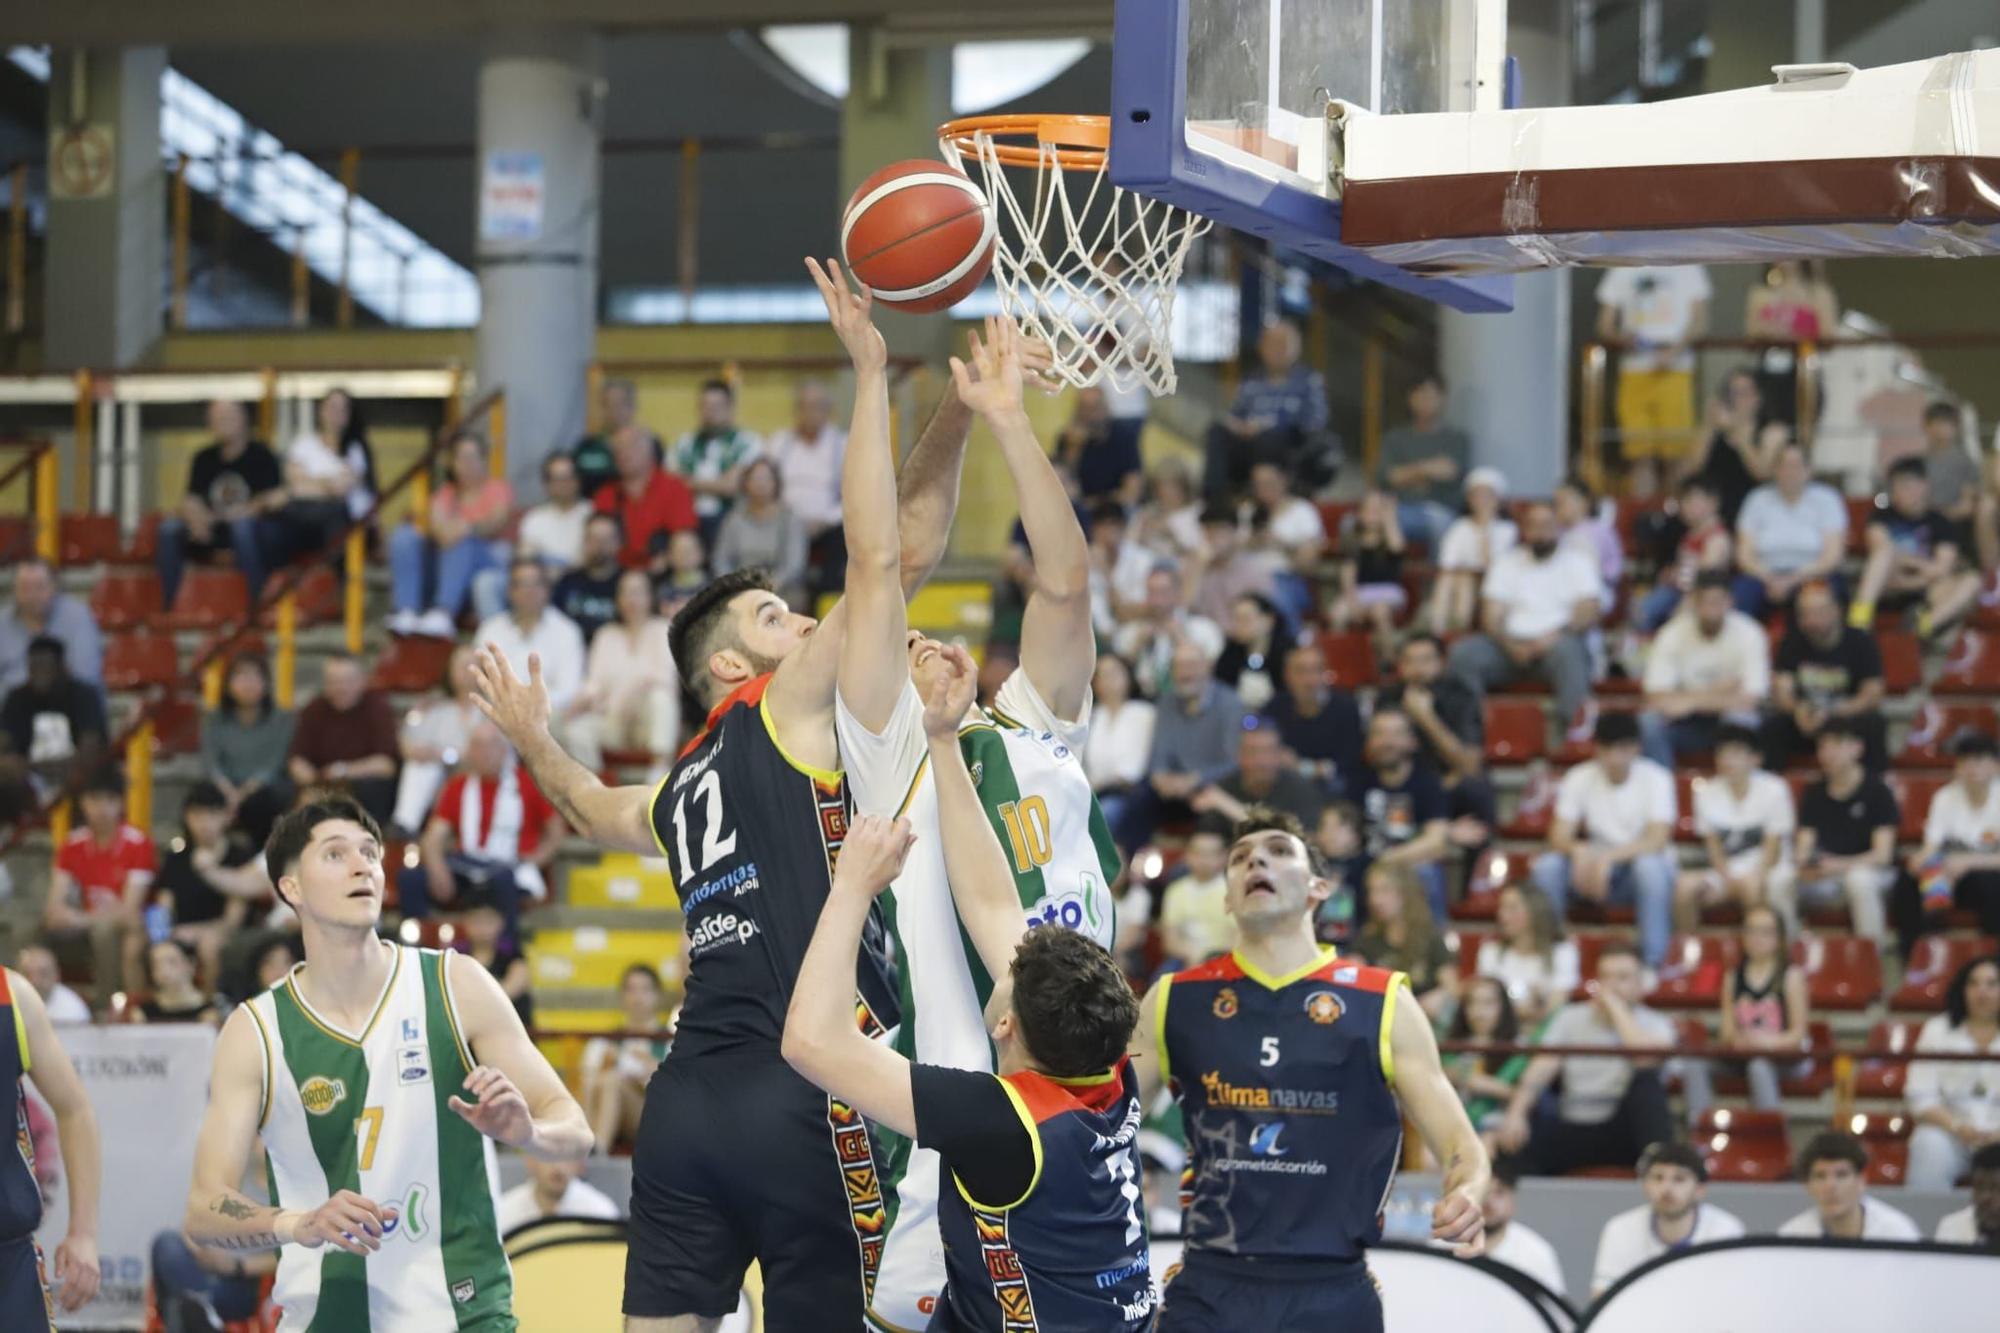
x,y
38,464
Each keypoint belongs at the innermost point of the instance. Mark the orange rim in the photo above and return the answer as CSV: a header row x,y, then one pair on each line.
x,y
1074,143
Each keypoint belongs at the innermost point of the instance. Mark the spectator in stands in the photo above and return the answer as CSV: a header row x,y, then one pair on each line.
x,y
52,731
631,696
1537,605
41,610
1652,314
1119,568
1959,862
173,996
98,888
1293,534
1255,636
1450,720
1230,568
1676,1215
1704,548
469,519
1707,668
712,457
595,456
489,840
484,939
552,531
650,502
1915,559
37,963
1951,469
1319,723
1422,463
1978,1223
1745,820
1826,668
1150,639
1831,1167
274,963
1528,955
1794,303
1403,808
1278,415
1403,936
761,529
531,626
1956,1104
686,568
552,1189
1261,777
1592,532
1169,522
1743,444
432,737
1846,843
194,1286
1485,1081
1370,589
347,738
1611,841
1792,531
1120,739
614,1070
1342,843
809,454
244,745
1105,462
1764,1006
234,493
329,476
588,594
1610,1106
1195,924
1513,1242
211,877
1468,549
1194,743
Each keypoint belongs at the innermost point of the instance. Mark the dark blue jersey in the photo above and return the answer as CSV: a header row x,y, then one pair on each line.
x,y
1071,1252
20,1196
1285,1086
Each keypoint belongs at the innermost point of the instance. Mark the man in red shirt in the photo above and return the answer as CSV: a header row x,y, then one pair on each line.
x,y
490,837
97,899
651,501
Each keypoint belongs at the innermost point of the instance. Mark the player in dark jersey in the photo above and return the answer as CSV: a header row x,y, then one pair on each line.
x,y
736,1157
1293,1069
29,1049
1044,1228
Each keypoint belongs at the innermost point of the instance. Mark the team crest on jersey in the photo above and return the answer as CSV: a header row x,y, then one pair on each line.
x,y
1225,1002
1323,1006
321,1094
978,771
464,1290
413,1064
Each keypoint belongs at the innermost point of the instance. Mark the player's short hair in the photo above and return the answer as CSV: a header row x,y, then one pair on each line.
x,y
1075,1009
1673,1152
704,627
1261,818
294,830
1832,1145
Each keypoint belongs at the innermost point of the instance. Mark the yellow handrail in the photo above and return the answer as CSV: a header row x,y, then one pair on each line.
x,y
354,561
496,431
139,775
285,687
48,504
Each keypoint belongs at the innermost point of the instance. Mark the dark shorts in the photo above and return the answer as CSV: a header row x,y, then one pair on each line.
x,y
25,1305
1205,1298
738,1158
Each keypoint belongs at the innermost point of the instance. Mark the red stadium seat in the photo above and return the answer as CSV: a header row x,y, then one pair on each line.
x,y
1902,661
1842,971
1516,731
145,543
1467,944
1860,513
1350,658
17,539
208,598
1818,1076
1691,973
176,725
1589,944
319,599
121,601
1933,963
1692,1035
88,539
141,658
1887,1138
1332,513
1913,797
1884,1078
1684,785
1973,666
1744,1145
1933,728
1630,510
412,665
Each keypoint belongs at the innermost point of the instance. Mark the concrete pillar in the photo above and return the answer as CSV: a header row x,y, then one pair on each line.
x,y
104,290
541,96
1510,374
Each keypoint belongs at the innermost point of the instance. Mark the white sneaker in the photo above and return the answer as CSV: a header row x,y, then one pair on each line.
x,y
436,624
401,622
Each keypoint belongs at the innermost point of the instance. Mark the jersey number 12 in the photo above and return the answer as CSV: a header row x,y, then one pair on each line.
x,y
714,843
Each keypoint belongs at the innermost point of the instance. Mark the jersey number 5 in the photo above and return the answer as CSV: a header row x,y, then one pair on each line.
x,y
715,844
1270,1055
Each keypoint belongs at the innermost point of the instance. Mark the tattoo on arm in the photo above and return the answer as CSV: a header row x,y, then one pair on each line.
x,y
261,1240
236,1208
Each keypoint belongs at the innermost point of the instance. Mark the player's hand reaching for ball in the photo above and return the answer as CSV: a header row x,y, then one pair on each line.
x,y
501,1113
77,1273
991,383
1458,1221
520,708
847,310
951,694
347,1222
872,854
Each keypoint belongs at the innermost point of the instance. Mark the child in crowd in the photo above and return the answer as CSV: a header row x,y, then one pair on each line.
x,y
1371,589
1764,1006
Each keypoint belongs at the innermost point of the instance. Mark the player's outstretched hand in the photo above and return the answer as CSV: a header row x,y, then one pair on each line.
x,y
347,1221
951,694
1459,1222
76,1271
501,1113
847,309
872,854
520,708
991,383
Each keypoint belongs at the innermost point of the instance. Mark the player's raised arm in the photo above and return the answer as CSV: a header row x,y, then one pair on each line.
x,y
1058,647
515,1097
982,885
1431,1101
55,1079
821,1039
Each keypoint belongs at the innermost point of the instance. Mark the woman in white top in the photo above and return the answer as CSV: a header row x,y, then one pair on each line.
x,y
1529,956
1472,543
1956,1103
330,470
1121,736
630,695
1170,520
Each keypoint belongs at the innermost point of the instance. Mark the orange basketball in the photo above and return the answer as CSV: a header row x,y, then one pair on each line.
x,y
920,234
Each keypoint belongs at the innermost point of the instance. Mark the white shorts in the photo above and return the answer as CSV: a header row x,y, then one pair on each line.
x,y
911,1275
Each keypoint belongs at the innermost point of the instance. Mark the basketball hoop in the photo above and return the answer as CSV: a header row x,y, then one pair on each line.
x,y
1088,268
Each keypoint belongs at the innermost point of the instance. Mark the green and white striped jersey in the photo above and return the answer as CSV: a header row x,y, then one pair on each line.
x,y
367,1112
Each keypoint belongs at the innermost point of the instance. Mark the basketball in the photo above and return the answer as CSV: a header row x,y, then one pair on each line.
x,y
920,234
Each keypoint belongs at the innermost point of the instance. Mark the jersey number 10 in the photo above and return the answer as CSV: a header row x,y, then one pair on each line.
x,y
715,844
1028,827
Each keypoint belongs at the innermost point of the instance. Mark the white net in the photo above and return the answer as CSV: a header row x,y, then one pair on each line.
x,y
1083,265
